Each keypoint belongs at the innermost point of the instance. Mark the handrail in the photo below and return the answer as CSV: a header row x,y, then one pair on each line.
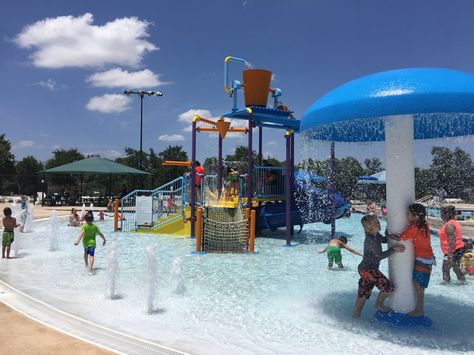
x,y
226,71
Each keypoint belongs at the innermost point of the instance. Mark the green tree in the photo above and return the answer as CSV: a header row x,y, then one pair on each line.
x,y
7,166
453,171
347,171
425,182
372,166
168,173
27,175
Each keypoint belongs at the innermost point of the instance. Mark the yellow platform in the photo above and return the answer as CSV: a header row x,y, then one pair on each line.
x,y
175,228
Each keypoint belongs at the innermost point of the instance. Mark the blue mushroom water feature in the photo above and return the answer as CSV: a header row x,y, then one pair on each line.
x,y
397,106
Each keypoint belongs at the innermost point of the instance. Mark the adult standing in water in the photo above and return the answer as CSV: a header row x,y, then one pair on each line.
x,y
452,245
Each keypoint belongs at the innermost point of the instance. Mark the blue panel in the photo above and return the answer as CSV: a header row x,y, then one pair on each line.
x,y
442,101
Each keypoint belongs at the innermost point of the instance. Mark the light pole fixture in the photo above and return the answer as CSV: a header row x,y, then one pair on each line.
x,y
142,93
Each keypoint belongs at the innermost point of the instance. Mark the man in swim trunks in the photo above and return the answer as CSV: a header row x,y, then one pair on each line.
x,y
334,251
9,225
370,275
88,233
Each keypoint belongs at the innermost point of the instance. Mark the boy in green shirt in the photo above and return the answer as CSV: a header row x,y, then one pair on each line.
x,y
88,234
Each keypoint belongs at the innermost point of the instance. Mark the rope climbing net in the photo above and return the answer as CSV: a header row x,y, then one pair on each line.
x,y
224,231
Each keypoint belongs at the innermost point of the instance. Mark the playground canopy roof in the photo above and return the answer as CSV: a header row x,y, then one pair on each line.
x,y
95,166
377,178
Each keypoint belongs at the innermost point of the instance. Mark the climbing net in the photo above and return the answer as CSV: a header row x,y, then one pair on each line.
x,y
224,231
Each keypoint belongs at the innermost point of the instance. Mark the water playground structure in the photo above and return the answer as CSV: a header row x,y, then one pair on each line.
x,y
266,197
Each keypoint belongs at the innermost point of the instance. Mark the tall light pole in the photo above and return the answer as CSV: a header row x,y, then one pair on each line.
x,y
142,93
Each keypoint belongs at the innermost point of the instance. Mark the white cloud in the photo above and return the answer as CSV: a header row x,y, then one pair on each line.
x,y
189,114
68,41
55,147
187,117
118,78
24,144
109,103
50,84
171,138
272,144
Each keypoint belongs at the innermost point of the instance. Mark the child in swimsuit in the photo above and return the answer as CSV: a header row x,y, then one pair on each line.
x,y
88,233
9,224
370,275
419,232
334,251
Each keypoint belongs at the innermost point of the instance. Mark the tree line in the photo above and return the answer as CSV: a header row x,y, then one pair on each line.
x,y
450,170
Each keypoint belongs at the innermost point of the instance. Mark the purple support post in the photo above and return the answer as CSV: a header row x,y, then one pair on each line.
x,y
292,188
333,190
260,143
250,167
288,188
193,178
219,169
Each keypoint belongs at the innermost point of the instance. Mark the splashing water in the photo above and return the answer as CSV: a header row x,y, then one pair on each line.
x,y
177,276
29,212
151,262
53,231
112,272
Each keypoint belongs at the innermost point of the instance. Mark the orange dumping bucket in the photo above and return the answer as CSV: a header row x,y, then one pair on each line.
x,y
256,86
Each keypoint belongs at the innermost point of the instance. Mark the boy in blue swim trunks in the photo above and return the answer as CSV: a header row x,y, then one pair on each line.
x,y
9,225
88,233
334,251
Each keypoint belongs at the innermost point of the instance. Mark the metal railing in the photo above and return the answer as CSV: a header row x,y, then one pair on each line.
x,y
269,181
167,202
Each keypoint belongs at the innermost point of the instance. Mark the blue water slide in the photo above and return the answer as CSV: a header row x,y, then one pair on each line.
x,y
310,205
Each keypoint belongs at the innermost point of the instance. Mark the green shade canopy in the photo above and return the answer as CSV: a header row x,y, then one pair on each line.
x,y
95,166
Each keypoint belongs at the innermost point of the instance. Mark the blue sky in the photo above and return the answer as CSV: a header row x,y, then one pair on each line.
x,y
64,64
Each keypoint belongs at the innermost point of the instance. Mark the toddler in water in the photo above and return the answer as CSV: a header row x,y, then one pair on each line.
x,y
334,251
370,275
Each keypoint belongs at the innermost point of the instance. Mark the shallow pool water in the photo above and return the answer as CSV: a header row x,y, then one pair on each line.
x,y
279,301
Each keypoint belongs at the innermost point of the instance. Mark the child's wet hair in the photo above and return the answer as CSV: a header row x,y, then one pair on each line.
x,y
7,211
343,239
417,209
449,211
89,216
368,219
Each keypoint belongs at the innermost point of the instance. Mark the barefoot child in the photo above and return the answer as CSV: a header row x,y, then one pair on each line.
x,y
419,232
88,234
334,251
9,225
369,272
